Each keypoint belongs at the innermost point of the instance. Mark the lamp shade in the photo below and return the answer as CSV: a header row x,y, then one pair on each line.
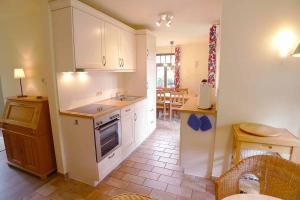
x,y
297,52
19,73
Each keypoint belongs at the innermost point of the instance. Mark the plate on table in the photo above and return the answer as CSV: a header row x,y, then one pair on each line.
x,y
260,129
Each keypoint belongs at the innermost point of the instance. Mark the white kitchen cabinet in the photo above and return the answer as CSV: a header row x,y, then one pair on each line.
x,y
127,121
127,50
85,38
88,32
109,163
140,124
112,46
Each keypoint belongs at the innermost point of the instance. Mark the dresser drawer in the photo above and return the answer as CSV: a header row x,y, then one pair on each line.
x,y
266,147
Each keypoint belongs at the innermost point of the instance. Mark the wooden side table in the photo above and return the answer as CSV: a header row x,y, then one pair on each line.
x,y
285,143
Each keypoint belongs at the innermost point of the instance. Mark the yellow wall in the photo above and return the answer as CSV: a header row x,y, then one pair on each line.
x,y
256,84
194,61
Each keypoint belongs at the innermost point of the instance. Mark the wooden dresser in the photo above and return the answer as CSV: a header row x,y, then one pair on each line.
x,y
286,143
27,135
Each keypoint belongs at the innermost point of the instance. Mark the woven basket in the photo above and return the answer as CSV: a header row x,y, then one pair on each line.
x,y
130,197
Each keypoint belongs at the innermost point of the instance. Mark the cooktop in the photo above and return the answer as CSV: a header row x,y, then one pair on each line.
x,y
92,108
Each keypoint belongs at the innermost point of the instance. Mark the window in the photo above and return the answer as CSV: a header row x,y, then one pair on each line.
x,y
165,70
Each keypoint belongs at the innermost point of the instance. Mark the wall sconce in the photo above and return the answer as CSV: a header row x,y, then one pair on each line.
x,y
297,52
284,42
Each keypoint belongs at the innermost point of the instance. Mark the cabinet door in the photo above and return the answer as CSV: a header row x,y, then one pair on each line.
x,y
29,153
13,145
127,119
87,40
140,129
128,50
151,47
112,46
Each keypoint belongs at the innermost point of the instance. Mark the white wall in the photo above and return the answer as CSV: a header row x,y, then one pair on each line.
x,y
256,85
26,41
194,61
76,89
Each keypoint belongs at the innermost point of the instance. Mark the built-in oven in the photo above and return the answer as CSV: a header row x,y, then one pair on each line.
x,y
107,134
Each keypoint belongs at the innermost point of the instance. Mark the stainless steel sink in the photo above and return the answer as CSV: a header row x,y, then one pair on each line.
x,y
126,98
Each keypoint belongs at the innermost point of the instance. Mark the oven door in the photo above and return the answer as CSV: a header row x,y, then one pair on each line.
x,y
107,138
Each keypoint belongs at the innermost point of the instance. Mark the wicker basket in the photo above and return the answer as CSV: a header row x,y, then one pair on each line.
x,y
130,197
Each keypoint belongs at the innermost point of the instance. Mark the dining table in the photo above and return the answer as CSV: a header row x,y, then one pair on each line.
x,y
250,197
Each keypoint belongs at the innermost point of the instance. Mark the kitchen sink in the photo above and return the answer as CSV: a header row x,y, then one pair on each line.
x,y
126,98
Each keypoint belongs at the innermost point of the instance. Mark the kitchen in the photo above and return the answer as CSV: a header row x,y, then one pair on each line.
x,y
104,78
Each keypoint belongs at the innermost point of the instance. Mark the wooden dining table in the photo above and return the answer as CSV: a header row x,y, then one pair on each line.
x,y
250,197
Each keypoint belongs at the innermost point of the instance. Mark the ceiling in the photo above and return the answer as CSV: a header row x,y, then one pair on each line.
x,y
192,18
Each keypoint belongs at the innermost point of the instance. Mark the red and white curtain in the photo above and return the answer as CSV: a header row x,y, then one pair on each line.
x,y
212,58
177,66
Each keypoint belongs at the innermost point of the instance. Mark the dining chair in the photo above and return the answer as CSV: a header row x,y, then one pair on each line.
x,y
176,102
161,102
184,90
278,177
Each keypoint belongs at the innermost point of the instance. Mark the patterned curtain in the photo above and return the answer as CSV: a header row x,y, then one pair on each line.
x,y
212,65
177,67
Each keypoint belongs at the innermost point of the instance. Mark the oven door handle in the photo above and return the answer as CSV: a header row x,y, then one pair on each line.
x,y
105,126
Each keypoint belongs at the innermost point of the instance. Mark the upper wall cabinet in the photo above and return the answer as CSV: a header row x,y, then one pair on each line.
x,y
85,38
88,32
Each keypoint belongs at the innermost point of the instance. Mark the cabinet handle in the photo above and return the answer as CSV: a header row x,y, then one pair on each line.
x,y
112,155
128,110
135,117
103,60
147,52
152,122
152,110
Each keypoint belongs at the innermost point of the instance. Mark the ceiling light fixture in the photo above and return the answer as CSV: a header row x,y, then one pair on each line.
x,y
166,18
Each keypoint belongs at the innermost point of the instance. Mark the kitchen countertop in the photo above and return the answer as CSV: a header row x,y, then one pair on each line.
x,y
191,107
113,102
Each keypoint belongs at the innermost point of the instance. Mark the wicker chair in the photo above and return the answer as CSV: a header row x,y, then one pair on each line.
x,y
278,177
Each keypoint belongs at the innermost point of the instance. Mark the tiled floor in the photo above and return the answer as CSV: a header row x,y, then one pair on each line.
x,y
153,169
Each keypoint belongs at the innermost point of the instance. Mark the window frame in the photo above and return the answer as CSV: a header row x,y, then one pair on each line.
x,y
165,66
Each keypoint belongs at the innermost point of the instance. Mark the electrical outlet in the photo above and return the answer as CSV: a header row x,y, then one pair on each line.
x,y
99,93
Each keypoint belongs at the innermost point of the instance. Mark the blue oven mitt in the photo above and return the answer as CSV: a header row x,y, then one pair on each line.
x,y
194,122
205,123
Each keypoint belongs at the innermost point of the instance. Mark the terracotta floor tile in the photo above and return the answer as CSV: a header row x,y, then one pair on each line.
x,y
170,180
145,150
168,160
128,163
177,174
163,171
129,170
174,156
158,149
143,166
155,184
149,175
194,185
139,189
116,183
202,196
167,146
163,154
174,167
144,155
161,195
181,191
133,179
138,159
171,151
156,163
117,174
